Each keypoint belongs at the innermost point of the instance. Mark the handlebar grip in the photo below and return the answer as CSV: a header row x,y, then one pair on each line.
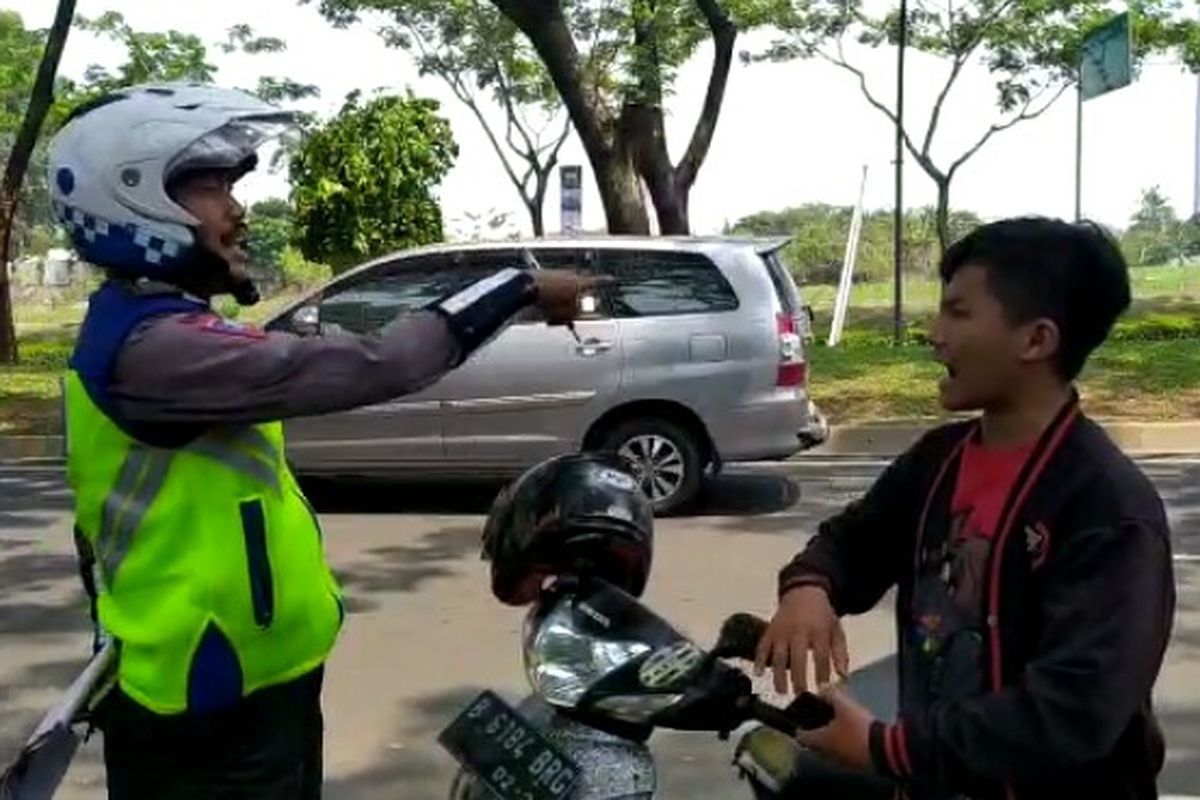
x,y
807,712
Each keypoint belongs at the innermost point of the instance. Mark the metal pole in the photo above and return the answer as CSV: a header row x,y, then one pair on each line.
x,y
1078,151
898,222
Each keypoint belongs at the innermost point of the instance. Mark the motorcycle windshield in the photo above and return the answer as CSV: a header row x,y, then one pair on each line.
x,y
580,637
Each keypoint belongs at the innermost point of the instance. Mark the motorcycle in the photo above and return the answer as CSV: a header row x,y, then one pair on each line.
x,y
606,671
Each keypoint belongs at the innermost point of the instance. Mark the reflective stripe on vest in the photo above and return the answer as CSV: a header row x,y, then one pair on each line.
x,y
138,483
247,451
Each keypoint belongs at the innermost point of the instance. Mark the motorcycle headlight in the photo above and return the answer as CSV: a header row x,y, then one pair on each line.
x,y
562,662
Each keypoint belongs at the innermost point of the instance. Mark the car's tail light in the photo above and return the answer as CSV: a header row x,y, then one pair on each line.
x,y
793,371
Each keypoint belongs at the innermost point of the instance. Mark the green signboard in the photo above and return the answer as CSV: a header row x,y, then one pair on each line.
x,y
1107,59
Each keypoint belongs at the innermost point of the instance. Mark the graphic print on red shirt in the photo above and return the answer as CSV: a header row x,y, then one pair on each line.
x,y
948,602
985,480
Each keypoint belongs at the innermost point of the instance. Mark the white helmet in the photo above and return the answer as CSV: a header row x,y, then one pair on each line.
x,y
111,162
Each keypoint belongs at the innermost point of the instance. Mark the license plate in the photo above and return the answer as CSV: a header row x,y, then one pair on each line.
x,y
510,756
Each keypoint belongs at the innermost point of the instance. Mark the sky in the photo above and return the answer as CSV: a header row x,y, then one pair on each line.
x,y
788,134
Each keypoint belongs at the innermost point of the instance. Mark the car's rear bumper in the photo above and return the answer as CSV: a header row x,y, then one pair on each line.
x,y
774,426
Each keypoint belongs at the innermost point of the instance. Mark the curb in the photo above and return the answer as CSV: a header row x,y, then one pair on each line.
x,y
13,448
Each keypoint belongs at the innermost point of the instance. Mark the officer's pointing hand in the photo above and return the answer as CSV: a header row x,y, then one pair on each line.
x,y
559,293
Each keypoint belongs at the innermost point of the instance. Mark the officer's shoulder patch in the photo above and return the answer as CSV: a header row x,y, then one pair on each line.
x,y
211,323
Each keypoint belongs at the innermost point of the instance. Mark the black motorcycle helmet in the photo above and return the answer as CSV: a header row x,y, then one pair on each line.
x,y
582,514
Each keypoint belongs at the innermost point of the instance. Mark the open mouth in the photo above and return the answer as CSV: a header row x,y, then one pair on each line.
x,y
236,241
951,372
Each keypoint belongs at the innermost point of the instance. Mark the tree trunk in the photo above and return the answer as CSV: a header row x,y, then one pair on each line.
x,y
18,163
543,22
621,194
536,218
942,217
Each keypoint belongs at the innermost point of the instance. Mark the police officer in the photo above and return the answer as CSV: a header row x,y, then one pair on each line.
x,y
208,564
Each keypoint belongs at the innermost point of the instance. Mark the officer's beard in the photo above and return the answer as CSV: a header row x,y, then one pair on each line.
x,y
205,274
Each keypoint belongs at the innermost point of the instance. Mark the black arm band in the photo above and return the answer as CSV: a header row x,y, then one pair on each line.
x,y
478,312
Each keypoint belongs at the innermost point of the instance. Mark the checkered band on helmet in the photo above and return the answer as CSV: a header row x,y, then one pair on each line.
x,y
102,242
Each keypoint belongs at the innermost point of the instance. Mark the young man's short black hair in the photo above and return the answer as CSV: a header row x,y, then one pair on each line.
x,y
1073,274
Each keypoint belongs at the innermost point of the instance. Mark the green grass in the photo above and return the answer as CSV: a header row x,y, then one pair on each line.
x,y
29,392
921,294
1149,368
1125,379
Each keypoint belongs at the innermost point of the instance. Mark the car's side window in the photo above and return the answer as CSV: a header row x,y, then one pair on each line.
x,y
375,299
653,283
565,258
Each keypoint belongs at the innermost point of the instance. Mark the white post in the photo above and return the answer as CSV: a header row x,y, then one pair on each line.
x,y
847,277
1196,189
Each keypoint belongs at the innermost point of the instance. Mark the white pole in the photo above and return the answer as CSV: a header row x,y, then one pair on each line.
x,y
1196,189
847,277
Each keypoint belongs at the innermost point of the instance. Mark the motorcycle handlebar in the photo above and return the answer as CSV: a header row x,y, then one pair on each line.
x,y
739,638
807,712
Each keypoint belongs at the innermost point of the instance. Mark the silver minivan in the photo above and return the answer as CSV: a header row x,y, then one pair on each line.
x,y
690,358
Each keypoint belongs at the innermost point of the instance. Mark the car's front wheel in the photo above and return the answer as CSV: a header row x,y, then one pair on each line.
x,y
666,456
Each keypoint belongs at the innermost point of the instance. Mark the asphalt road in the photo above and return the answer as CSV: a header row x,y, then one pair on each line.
x,y
424,633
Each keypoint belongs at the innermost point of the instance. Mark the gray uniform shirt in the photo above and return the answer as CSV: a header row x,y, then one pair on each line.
x,y
200,368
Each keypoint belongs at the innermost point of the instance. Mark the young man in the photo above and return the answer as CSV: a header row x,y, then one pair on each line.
x,y
208,566
1031,557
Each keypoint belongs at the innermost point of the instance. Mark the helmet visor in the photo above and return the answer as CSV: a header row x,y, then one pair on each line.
x,y
230,147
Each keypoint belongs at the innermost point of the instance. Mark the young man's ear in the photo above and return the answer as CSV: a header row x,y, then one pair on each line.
x,y
1042,340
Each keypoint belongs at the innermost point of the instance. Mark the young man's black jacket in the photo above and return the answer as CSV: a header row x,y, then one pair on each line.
x,y
1079,599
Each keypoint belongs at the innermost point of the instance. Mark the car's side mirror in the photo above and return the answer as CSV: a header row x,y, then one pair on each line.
x,y
306,321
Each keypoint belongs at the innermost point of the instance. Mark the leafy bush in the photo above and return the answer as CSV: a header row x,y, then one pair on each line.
x,y
1156,327
299,272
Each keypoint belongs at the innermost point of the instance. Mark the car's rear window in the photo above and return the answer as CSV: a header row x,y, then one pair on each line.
x,y
650,284
785,287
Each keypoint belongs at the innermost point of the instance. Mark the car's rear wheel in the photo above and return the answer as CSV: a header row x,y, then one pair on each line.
x,y
667,457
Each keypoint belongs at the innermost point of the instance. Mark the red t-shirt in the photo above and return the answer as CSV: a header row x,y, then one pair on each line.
x,y
985,479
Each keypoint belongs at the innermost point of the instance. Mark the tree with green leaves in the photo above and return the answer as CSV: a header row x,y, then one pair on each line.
x,y
1031,47
23,50
363,183
614,67
269,231
818,234
38,106
478,53
1155,234
159,56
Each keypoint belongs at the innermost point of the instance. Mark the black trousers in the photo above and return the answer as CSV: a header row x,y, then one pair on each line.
x,y
267,747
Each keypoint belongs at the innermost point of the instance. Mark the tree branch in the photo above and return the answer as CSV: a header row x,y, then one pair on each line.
x,y
724,34
543,23
921,158
454,80
506,97
960,60
935,115
1025,114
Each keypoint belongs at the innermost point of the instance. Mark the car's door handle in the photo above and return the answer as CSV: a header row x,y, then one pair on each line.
x,y
592,347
